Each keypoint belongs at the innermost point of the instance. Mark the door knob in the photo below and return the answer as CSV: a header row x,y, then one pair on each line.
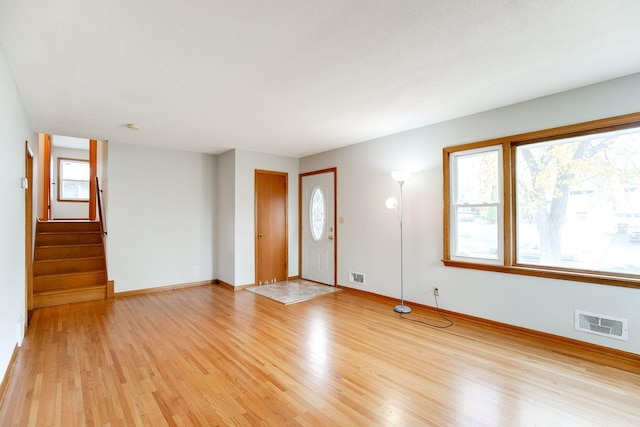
x,y
260,235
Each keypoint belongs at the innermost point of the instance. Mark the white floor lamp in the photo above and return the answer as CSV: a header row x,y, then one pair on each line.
x,y
391,203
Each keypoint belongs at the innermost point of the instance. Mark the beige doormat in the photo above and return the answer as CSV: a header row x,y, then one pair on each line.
x,y
291,292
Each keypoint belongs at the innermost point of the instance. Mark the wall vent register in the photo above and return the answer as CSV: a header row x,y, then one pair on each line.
x,y
356,277
599,324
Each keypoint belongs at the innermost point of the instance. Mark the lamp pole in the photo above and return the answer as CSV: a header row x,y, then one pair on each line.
x,y
401,308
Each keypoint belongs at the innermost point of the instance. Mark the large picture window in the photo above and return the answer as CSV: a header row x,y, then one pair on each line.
x,y
561,203
73,180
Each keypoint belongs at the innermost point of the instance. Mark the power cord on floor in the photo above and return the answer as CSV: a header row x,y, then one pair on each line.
x,y
431,325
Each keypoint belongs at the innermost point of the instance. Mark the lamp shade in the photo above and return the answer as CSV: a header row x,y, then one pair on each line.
x,y
391,203
401,176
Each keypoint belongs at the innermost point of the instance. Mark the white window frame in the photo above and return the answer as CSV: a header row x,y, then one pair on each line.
x,y
453,211
61,180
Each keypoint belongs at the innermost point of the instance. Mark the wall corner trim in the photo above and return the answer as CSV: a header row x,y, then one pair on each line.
x,y
164,288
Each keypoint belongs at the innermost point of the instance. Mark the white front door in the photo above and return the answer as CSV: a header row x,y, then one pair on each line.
x,y
318,240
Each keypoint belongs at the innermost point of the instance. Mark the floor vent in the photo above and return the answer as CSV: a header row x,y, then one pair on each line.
x,y
356,277
600,324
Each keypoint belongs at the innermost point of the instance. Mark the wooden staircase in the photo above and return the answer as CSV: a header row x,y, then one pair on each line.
x,y
69,263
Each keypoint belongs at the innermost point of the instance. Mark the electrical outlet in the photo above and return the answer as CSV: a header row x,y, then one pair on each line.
x,y
436,292
196,269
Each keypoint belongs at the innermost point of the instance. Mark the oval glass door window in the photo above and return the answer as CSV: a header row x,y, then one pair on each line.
x,y
317,213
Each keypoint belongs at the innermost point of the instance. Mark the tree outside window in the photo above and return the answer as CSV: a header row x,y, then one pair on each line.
x,y
578,202
562,203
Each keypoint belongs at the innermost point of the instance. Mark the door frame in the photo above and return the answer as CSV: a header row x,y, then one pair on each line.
x,y
44,176
333,171
93,173
28,234
45,151
256,215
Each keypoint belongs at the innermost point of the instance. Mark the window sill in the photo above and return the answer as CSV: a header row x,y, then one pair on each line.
x,y
597,278
74,200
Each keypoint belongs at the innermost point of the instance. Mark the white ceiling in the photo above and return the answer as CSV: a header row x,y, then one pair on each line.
x,y
297,77
70,142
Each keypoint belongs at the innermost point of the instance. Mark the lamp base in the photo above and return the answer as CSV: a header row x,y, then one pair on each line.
x,y
401,309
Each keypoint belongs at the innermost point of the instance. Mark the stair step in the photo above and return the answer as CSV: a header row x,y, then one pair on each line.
x,y
68,251
69,265
70,295
62,226
52,282
68,238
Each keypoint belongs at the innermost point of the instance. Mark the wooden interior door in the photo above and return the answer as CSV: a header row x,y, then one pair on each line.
x,y
271,226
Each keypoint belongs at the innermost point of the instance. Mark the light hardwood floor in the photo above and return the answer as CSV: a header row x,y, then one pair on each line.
x,y
207,356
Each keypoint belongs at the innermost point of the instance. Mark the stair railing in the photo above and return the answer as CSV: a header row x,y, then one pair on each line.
x,y
100,215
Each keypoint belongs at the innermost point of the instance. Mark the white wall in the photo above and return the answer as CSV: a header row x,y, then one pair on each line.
x,y
368,241
226,183
246,163
160,200
66,210
161,216
15,129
